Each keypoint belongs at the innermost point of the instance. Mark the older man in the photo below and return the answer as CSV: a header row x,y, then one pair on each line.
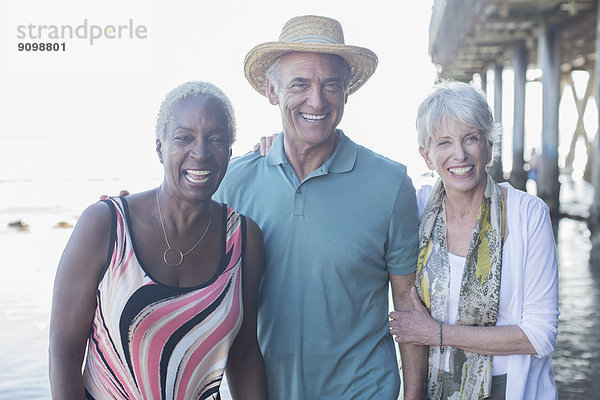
x,y
339,221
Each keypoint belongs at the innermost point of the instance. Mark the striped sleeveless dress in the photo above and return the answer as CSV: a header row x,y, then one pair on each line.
x,y
153,341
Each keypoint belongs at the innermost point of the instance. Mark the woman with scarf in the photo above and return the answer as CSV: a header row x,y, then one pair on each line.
x,y
487,267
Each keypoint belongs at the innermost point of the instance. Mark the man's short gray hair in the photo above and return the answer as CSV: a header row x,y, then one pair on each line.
x,y
453,101
167,108
272,73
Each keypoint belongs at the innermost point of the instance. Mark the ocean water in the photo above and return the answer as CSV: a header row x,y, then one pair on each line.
x,y
28,266
30,258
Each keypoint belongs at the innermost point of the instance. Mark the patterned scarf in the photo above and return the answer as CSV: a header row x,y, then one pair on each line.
x,y
470,373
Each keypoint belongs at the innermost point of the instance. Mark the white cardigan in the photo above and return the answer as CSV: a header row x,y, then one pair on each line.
x,y
528,293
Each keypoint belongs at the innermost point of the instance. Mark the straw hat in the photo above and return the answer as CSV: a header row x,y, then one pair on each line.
x,y
311,34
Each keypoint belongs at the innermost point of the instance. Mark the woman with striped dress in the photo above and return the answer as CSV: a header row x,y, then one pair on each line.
x,y
156,293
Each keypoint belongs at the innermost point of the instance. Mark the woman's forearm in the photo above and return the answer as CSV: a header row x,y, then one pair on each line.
x,y
492,340
66,380
246,375
417,327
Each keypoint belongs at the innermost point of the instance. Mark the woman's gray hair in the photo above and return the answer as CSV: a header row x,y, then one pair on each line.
x,y
272,73
167,108
453,101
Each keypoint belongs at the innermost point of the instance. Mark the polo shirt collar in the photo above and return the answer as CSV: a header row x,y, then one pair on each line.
x,y
342,160
344,157
276,155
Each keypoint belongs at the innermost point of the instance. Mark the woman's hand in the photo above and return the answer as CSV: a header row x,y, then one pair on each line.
x,y
265,144
416,326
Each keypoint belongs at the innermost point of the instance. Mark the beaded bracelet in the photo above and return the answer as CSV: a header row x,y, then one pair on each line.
x,y
442,348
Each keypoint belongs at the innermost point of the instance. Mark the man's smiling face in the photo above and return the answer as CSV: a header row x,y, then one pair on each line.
x,y
311,97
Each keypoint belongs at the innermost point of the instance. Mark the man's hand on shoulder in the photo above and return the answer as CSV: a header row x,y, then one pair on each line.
x,y
122,193
264,145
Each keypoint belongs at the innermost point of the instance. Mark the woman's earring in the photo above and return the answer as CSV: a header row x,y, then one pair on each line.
x,y
432,173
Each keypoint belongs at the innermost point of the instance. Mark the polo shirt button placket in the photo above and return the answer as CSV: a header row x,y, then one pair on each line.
x,y
299,202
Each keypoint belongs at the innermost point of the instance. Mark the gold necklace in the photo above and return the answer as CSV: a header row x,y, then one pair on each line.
x,y
175,250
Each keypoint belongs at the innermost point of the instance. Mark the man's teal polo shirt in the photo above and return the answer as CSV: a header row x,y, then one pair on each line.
x,y
330,241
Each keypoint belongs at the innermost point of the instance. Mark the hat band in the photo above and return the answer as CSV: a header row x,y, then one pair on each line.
x,y
313,39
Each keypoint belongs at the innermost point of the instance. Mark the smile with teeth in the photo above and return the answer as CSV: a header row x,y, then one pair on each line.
x,y
196,176
461,170
313,117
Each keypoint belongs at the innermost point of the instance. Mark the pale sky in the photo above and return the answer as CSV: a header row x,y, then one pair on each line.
x,y
94,103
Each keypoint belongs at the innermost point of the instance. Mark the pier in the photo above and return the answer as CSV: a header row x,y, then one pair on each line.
x,y
469,38
546,42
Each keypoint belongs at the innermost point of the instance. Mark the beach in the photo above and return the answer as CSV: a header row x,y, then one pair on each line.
x,y
81,124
